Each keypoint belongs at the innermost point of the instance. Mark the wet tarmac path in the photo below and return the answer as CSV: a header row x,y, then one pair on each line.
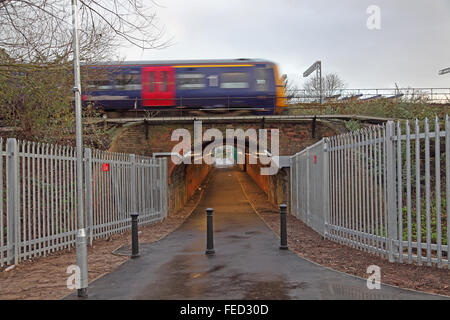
x,y
247,264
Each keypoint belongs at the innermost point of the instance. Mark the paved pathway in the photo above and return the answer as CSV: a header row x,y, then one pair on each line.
x,y
247,264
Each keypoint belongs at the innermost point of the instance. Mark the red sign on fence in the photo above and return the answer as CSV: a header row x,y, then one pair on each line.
x,y
315,159
105,167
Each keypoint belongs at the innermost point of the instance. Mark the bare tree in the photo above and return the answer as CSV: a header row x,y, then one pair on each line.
x,y
39,31
36,73
331,84
291,89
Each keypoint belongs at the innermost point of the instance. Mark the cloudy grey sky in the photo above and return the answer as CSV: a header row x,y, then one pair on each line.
x,y
412,45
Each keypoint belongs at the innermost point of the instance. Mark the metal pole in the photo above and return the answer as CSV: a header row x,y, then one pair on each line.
x,y
134,235
317,66
88,188
326,190
165,190
12,203
391,191
82,234
319,75
209,232
283,230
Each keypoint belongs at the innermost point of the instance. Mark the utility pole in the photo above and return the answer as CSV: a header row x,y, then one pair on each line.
x,y
81,241
317,66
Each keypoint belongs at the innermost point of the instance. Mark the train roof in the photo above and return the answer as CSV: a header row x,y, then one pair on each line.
x,y
183,62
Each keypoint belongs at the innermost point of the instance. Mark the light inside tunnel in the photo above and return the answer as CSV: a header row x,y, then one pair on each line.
x,y
224,155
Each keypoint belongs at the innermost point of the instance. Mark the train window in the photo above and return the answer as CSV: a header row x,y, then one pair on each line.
x,y
98,79
234,80
91,85
213,81
261,80
191,81
128,82
99,85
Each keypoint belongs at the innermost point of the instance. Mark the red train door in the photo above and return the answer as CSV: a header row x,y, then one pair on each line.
x,y
158,86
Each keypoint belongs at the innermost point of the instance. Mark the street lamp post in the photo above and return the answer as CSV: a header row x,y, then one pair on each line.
x,y
81,240
317,66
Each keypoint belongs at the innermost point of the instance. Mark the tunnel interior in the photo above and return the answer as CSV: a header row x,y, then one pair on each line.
x,y
187,178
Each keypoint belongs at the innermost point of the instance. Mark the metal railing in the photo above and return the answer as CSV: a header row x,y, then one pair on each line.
x,y
383,189
307,177
432,95
39,202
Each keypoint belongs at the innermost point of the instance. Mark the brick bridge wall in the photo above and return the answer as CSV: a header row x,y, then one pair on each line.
x,y
145,139
142,138
183,181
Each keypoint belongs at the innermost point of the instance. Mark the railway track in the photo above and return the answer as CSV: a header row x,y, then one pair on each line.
x,y
234,118
179,113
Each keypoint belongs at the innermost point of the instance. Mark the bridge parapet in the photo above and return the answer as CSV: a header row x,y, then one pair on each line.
x,y
146,136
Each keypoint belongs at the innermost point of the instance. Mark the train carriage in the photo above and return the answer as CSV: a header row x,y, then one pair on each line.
x,y
221,85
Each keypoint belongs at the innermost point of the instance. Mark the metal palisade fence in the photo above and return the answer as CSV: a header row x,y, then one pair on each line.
x,y
39,201
383,189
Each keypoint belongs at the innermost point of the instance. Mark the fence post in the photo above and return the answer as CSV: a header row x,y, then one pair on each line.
x,y
291,185
307,189
88,191
165,184
326,196
447,182
12,202
297,188
391,190
161,187
133,183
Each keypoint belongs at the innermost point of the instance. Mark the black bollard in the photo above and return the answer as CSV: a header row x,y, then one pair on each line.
x,y
134,236
82,293
209,232
283,230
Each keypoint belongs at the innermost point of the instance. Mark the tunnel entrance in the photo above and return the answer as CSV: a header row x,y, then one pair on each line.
x,y
187,179
224,156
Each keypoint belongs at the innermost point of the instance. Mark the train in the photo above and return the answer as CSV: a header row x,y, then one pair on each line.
x,y
252,85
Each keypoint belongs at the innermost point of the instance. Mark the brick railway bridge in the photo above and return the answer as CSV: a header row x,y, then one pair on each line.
x,y
148,136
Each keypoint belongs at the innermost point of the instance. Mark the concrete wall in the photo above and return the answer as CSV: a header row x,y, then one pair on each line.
x,y
253,170
195,175
279,187
177,190
275,186
184,180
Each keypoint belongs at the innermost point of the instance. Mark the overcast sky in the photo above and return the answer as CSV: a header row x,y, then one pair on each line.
x,y
411,47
